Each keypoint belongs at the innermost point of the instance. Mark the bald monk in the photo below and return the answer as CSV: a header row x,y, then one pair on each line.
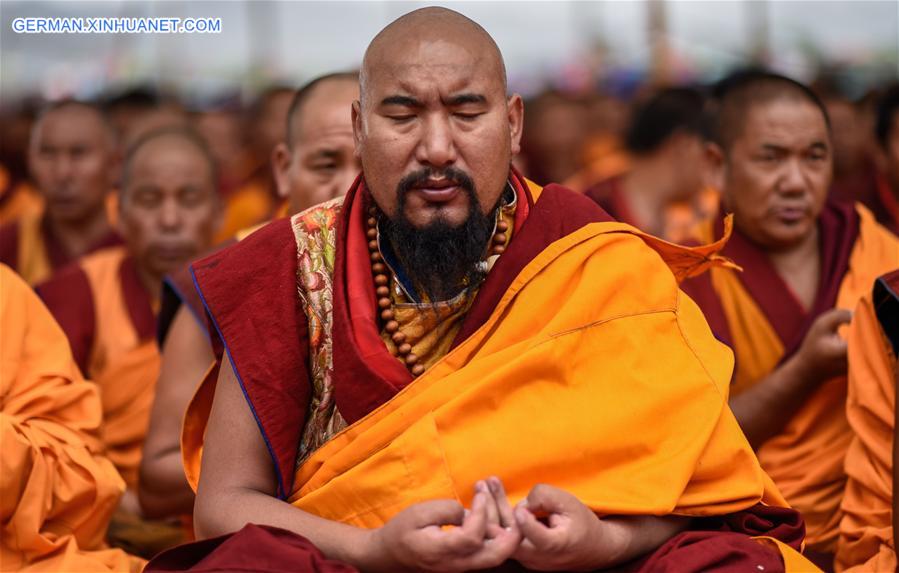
x,y
382,355
806,262
57,487
316,163
868,528
71,156
666,142
107,302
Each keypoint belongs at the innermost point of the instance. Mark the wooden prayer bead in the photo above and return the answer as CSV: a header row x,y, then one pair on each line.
x,y
404,348
381,280
384,303
418,370
387,314
382,291
398,337
392,326
411,359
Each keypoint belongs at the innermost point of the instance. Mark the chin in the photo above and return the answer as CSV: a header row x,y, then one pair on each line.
x,y
424,218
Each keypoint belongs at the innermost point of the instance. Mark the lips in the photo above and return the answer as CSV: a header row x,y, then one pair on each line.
x,y
438,191
791,215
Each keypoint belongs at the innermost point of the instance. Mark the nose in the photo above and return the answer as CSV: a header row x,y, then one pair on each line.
x,y
792,180
62,166
437,146
169,215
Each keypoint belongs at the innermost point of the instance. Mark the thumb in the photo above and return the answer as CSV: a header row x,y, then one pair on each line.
x,y
833,319
543,500
439,512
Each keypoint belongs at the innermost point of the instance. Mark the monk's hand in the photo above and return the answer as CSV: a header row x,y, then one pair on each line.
x,y
559,533
822,354
441,536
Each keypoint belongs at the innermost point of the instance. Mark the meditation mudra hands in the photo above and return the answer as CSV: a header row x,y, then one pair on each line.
x,y
550,530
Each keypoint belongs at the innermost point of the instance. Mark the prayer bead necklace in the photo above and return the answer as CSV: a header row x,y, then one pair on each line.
x,y
382,286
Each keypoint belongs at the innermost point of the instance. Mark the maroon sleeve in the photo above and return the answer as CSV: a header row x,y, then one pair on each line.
x,y
9,245
724,543
259,548
249,292
70,299
700,289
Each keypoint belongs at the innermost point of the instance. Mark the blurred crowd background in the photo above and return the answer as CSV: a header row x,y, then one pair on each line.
x,y
583,67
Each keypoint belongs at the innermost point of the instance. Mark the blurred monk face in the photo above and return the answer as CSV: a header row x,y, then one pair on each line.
x,y
435,125
169,206
777,172
71,156
320,163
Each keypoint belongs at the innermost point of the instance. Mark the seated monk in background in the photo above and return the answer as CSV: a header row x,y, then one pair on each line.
x,y
71,156
317,162
57,487
806,262
107,302
253,200
660,191
380,356
887,181
868,528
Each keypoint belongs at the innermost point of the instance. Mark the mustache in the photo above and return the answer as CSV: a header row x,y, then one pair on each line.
x,y
420,177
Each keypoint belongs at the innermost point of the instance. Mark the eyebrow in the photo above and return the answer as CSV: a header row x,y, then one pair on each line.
x,y
326,153
463,99
406,101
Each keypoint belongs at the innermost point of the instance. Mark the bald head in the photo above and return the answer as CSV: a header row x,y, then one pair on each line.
x,y
317,162
337,90
737,94
416,35
169,208
71,155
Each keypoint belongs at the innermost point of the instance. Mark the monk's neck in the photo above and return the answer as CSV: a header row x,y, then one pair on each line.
x,y
800,268
151,282
78,237
645,189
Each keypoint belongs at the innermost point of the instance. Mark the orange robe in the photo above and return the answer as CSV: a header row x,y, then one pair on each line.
x,y
17,198
252,203
30,248
555,385
866,530
57,490
753,312
110,321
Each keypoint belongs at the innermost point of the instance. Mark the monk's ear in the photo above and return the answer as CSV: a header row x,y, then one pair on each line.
x,y
280,166
716,161
516,121
357,127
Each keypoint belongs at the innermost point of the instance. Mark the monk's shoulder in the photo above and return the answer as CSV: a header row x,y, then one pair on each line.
x,y
577,209
257,252
873,232
623,266
69,297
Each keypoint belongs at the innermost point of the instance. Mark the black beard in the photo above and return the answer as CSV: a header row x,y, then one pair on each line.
x,y
441,260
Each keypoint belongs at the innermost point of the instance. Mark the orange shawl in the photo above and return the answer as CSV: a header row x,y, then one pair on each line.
x,y
866,530
58,490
